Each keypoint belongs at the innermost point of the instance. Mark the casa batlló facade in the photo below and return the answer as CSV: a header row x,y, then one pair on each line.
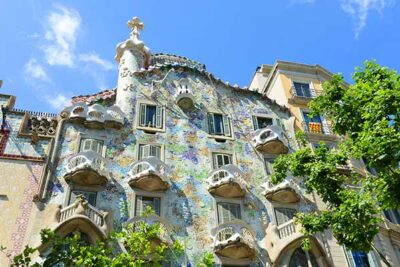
x,y
170,136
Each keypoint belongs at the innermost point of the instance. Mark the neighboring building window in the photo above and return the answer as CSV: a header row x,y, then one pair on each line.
x,y
228,212
261,122
301,258
221,159
284,215
361,259
313,124
151,116
392,215
89,196
218,124
302,89
146,151
142,202
88,144
268,165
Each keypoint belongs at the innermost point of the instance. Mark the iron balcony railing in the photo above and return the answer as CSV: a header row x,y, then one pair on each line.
x,y
318,128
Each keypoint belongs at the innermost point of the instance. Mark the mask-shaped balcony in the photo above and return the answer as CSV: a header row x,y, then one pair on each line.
x,y
284,192
95,116
270,140
87,168
82,216
227,181
234,240
148,174
184,97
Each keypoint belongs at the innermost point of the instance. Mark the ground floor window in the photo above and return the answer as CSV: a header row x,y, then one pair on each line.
x,y
301,258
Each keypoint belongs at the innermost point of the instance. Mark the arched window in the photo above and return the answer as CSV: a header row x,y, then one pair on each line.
x,y
301,258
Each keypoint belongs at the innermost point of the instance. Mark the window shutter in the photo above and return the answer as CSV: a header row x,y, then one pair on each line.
x,y
159,114
372,259
155,151
139,206
215,161
350,258
227,128
157,205
87,143
280,217
255,123
97,146
145,151
142,115
227,159
225,213
211,124
220,160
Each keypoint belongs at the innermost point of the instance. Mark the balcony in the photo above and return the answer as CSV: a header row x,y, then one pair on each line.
x,y
95,116
227,181
148,174
83,217
234,240
303,98
87,168
184,98
270,140
284,192
280,237
319,130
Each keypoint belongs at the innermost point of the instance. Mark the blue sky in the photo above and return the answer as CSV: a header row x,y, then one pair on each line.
x,y
52,50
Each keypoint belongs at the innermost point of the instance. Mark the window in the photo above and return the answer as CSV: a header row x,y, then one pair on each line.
x,y
142,202
284,215
146,151
301,258
228,212
218,124
268,165
361,259
392,215
313,124
261,122
89,144
151,116
220,159
302,89
89,196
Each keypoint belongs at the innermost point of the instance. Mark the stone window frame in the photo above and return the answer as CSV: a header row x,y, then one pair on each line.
x,y
275,205
162,151
220,151
300,79
272,116
140,192
82,136
137,119
215,136
218,199
72,187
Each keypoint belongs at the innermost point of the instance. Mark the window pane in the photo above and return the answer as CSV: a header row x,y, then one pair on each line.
x,y
150,119
89,196
302,89
143,202
218,124
228,212
284,215
268,165
264,122
360,259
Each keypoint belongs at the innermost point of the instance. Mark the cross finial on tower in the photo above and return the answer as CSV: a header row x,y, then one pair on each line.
x,y
136,25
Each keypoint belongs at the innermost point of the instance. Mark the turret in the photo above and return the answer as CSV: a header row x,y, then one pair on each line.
x,y
132,55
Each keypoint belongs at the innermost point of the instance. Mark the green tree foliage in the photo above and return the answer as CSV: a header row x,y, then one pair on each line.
x,y
367,115
141,242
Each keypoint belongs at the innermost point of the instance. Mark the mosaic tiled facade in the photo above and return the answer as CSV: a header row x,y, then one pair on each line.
x,y
172,136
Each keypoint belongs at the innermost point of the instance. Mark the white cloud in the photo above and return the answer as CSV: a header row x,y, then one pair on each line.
x,y
63,25
359,9
35,70
58,101
95,58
